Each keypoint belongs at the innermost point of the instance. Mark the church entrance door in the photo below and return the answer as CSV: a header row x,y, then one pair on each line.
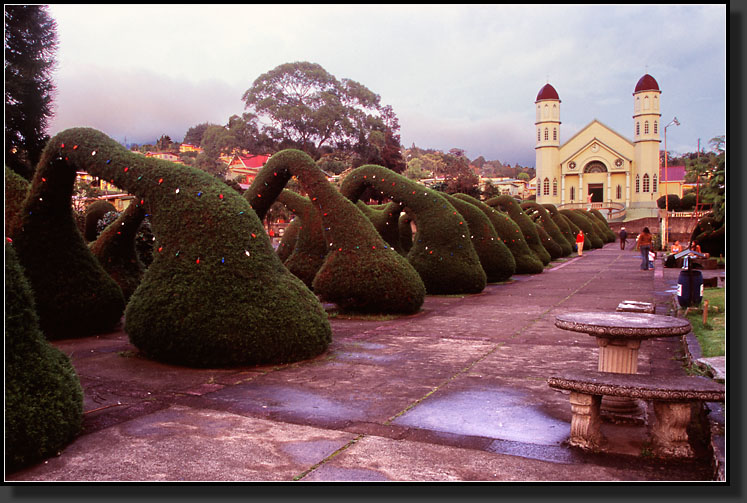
x,y
597,192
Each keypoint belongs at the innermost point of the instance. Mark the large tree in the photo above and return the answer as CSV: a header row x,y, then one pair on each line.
x,y
30,48
302,105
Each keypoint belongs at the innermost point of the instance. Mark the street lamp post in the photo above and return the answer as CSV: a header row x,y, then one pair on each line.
x,y
665,237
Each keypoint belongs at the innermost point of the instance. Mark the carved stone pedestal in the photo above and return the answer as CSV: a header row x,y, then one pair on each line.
x,y
585,422
619,356
669,430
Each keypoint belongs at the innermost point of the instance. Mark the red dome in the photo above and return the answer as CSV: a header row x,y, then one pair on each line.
x,y
647,83
548,93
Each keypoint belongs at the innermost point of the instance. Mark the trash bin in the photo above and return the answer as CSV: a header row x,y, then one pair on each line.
x,y
690,288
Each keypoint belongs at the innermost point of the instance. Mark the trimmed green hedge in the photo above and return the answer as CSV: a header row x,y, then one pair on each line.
x,y
542,217
509,231
528,229
442,252
16,190
116,252
567,229
710,234
216,294
360,273
43,396
405,232
591,240
94,212
309,248
495,257
385,219
288,241
604,226
600,229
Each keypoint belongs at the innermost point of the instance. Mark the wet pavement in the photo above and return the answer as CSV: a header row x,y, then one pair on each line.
x,y
457,392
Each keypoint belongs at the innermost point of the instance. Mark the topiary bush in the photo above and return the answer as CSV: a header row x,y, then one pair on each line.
x,y
360,273
607,235
687,203
442,252
94,212
528,229
116,252
405,232
551,246
673,203
288,242
216,294
495,257
16,190
510,233
43,396
309,248
542,217
710,234
385,219
591,239
564,225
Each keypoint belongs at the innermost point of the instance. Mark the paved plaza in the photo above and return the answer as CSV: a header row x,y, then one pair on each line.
x,y
457,392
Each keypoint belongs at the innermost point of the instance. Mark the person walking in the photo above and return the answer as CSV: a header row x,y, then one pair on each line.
x,y
623,238
580,242
643,243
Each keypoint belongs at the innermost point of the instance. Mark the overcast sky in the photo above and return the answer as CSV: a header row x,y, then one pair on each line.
x,y
457,76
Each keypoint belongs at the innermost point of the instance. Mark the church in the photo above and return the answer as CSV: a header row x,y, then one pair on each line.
x,y
597,163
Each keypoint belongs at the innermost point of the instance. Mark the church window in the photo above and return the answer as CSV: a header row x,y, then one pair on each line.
x,y
555,134
655,184
645,183
554,186
539,132
656,127
619,192
546,187
573,193
555,111
637,183
547,134
546,112
645,127
646,104
637,104
637,128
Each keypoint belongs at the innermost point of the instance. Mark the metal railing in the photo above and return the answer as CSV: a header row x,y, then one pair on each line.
x,y
609,209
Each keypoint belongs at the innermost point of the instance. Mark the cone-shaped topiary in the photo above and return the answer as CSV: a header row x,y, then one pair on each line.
x,y
43,396
116,252
562,223
74,295
551,246
385,219
528,229
405,232
361,272
216,294
16,190
599,229
591,240
609,235
542,217
94,212
508,230
442,251
310,247
288,242
495,257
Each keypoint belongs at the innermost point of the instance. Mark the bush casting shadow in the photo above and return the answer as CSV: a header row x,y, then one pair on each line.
x,y
442,252
43,396
528,229
16,190
591,240
216,294
361,272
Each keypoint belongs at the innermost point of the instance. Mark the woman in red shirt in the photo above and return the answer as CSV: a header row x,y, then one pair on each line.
x,y
580,242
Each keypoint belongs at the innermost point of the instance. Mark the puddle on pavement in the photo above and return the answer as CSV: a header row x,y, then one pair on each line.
x,y
505,415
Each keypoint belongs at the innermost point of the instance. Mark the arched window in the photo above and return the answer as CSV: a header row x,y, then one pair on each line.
x,y
547,134
656,127
539,132
645,127
646,104
637,183
637,128
555,111
619,192
546,111
655,185
645,183
546,187
554,186
555,134
637,104
573,193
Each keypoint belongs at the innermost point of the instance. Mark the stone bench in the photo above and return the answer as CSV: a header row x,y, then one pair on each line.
x,y
672,398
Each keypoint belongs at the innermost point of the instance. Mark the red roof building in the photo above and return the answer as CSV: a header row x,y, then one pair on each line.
x,y
673,174
244,168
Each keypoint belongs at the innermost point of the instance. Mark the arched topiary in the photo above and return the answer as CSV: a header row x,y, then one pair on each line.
x,y
528,229
385,219
509,231
405,232
599,229
310,248
216,294
495,257
116,252
288,241
604,226
567,229
94,212
361,272
671,201
74,295
591,240
542,217
550,245
16,190
43,396
442,251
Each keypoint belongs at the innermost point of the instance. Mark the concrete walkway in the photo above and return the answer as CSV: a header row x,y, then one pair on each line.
x,y
457,392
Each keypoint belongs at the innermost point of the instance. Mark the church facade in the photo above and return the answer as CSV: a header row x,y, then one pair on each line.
x,y
597,163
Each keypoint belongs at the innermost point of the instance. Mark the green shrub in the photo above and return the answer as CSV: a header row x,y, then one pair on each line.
x,y
361,272
551,246
541,216
525,259
528,229
385,219
673,202
687,203
710,234
288,242
442,252
116,252
405,232
16,190
591,240
216,294
43,396
495,257
94,212
604,227
564,225
309,248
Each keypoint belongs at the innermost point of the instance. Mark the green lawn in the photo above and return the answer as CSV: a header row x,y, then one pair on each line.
x,y
712,335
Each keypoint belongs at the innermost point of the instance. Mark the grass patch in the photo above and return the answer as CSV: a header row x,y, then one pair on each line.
x,y
711,335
